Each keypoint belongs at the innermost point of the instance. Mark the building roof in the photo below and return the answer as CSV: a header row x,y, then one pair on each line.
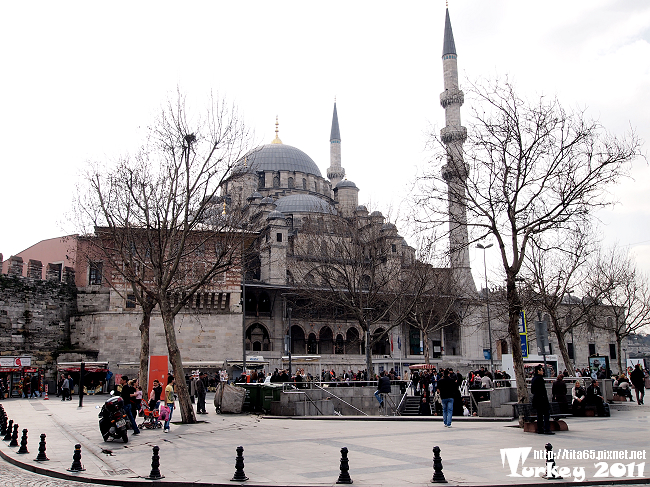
x,y
335,134
304,203
279,157
448,47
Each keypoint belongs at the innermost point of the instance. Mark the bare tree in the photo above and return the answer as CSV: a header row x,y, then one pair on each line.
x,y
556,267
529,168
617,284
434,299
351,264
162,207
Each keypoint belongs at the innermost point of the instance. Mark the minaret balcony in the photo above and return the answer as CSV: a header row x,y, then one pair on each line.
x,y
451,97
338,173
453,171
453,133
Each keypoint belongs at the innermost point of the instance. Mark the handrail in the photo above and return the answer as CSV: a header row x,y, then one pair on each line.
x,y
342,400
297,391
399,406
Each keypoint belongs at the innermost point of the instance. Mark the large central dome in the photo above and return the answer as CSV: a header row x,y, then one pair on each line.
x,y
280,157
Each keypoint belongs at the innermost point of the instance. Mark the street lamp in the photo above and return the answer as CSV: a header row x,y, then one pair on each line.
x,y
573,346
487,302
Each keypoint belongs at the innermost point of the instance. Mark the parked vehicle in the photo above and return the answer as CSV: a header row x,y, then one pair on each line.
x,y
112,419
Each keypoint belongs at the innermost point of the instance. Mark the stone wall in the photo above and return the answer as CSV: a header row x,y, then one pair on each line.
x,y
35,317
116,337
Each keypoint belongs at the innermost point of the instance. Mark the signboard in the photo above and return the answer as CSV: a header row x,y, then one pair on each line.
x,y
523,334
15,361
158,369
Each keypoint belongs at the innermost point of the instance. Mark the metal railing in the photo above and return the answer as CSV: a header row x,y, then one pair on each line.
x,y
342,400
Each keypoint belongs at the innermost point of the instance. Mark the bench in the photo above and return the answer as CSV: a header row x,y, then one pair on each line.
x,y
529,414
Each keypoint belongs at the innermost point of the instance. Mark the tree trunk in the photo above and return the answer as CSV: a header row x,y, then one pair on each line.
x,y
187,412
144,349
618,355
514,310
427,351
561,343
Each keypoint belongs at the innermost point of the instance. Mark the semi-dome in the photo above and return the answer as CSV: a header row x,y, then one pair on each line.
x,y
275,215
303,203
376,213
279,157
346,184
388,226
267,201
362,208
255,196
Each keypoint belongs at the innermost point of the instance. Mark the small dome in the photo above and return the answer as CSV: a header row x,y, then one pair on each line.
x,y
255,196
267,201
376,213
361,208
275,215
388,226
304,203
345,184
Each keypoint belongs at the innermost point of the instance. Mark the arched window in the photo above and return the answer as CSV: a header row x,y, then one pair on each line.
x,y
276,180
261,181
365,282
316,186
352,341
380,344
297,340
290,182
257,338
338,349
326,340
304,183
312,348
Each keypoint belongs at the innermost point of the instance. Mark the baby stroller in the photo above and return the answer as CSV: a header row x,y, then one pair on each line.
x,y
150,417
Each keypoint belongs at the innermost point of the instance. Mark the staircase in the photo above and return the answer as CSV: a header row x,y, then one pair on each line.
x,y
411,406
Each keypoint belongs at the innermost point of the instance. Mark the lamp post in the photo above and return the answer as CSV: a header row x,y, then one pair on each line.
x,y
289,351
573,346
487,302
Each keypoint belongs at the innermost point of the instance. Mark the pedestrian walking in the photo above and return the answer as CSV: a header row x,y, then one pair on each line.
x,y
447,388
65,388
540,402
169,401
200,394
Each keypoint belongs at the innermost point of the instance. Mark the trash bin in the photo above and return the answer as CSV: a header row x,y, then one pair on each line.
x,y
270,392
253,400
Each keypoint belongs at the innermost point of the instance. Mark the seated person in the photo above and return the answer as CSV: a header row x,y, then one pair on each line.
x,y
595,398
579,396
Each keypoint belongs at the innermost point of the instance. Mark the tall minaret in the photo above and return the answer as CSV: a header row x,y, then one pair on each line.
x,y
455,171
335,172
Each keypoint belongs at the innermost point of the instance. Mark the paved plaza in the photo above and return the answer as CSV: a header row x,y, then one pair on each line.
x,y
300,451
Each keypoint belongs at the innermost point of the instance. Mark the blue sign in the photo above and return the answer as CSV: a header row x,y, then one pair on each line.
x,y
524,345
522,323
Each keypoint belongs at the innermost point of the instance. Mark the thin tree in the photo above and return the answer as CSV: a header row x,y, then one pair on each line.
x,y
163,205
529,168
617,284
556,267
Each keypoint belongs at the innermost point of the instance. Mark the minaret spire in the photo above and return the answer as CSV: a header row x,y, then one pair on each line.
x,y
335,172
277,139
455,172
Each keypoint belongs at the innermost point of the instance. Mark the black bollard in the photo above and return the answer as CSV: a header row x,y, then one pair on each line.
x,y
7,436
41,457
438,476
76,460
155,466
3,424
23,443
239,476
550,458
344,476
14,437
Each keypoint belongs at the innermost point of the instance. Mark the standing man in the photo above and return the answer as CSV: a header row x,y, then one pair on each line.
x,y
65,388
200,394
638,381
71,383
127,390
447,388
540,402
169,400
383,387
35,386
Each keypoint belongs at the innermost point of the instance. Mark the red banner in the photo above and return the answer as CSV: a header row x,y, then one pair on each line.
x,y
158,369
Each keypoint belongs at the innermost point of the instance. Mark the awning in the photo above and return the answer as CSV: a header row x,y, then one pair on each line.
x,y
422,367
88,366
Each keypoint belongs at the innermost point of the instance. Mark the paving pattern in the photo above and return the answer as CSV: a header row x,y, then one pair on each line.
x,y
13,476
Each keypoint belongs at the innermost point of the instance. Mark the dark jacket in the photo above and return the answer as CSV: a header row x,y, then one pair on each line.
x,y
200,388
383,385
540,397
559,391
637,378
447,388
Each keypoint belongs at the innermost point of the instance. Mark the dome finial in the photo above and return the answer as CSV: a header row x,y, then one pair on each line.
x,y
277,139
